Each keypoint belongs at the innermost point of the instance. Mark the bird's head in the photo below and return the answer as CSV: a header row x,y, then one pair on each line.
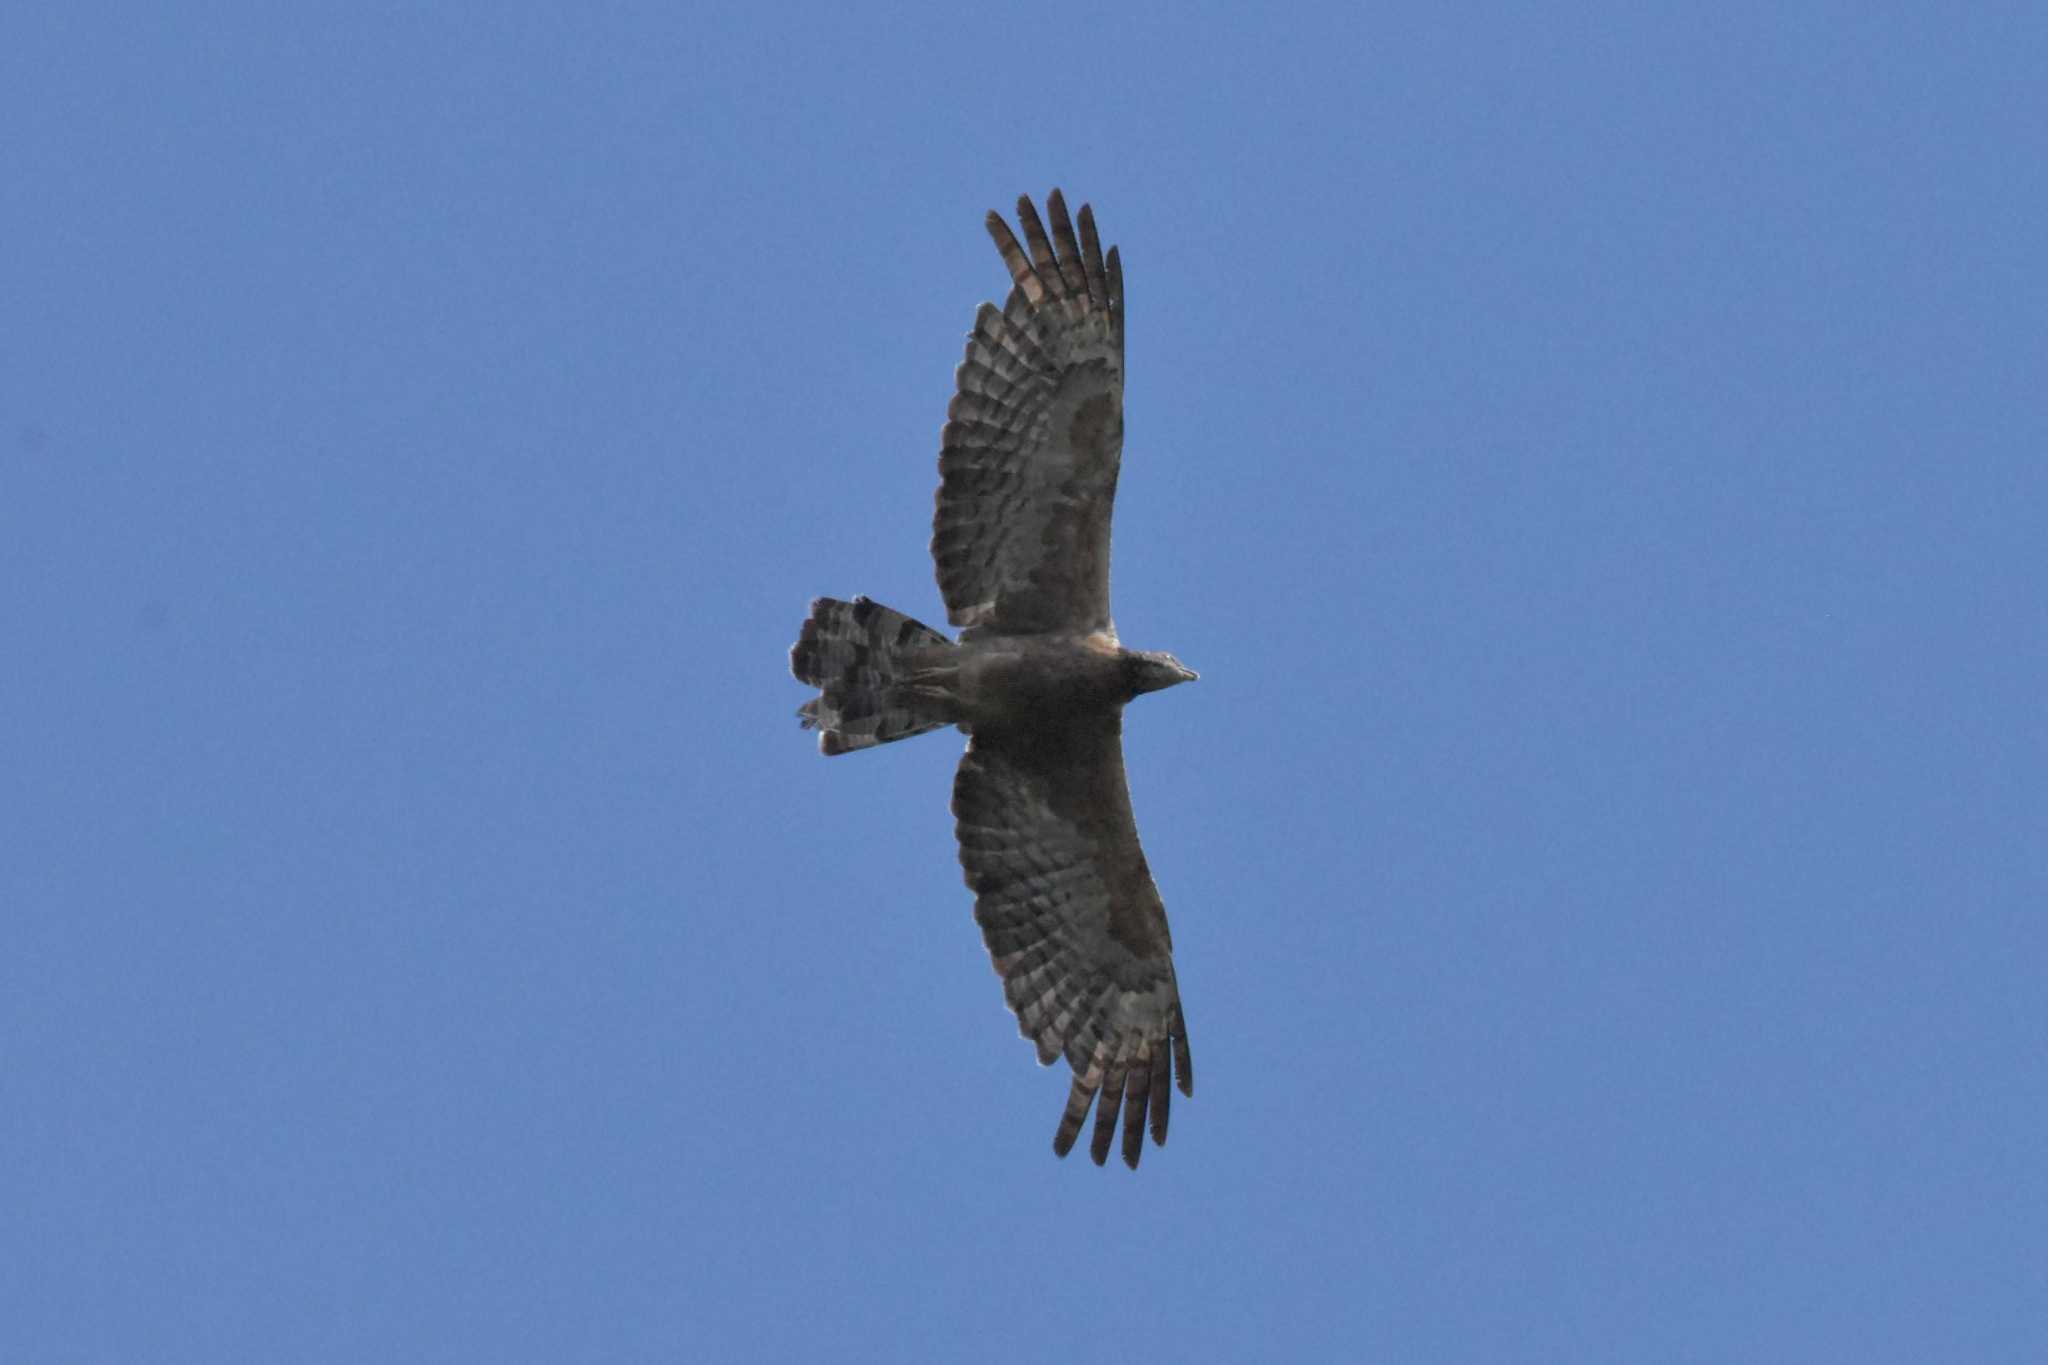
x,y
1153,669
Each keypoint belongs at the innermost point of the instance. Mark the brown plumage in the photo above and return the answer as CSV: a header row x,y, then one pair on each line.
x,y
1020,537
1028,458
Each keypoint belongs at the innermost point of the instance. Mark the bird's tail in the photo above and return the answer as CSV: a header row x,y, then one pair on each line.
x,y
881,676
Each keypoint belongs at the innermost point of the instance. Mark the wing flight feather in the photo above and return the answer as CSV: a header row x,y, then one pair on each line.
x,y
1074,923
1033,441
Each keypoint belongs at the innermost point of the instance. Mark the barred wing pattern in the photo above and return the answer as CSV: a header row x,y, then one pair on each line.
x,y
1033,438
1074,923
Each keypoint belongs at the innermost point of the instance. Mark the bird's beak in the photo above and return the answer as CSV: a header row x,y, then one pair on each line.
x,y
1188,674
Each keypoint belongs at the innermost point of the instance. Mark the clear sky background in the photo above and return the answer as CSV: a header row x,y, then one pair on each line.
x,y
1597,457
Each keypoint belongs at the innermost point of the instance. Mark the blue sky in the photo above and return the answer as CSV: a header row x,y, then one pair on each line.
x,y
1597,461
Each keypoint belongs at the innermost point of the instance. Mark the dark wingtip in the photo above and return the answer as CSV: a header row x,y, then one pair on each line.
x,y
1079,1097
999,233
1108,1108
1162,1098
1137,1099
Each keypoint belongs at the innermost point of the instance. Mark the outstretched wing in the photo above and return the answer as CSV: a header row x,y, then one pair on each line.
x,y
1033,438
1074,923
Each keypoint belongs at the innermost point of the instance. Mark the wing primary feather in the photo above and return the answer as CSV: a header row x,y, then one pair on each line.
x,y
1114,275
1162,1096
1182,1062
1106,1110
1071,273
1078,1100
1026,279
1041,249
1091,260
1137,1095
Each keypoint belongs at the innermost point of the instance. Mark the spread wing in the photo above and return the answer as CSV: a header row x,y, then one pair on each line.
x,y
1074,923
1033,438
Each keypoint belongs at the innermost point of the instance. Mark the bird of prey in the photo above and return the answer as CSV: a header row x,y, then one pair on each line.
x,y
1028,468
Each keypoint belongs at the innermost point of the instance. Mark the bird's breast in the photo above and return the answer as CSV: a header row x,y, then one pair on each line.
x,y
1041,681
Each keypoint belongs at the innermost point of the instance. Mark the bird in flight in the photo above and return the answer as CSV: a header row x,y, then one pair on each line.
x,y
1038,680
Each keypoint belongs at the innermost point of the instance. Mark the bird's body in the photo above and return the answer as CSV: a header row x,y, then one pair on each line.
x,y
1029,464
1036,680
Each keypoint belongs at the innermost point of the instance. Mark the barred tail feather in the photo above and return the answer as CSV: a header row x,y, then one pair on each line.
x,y
878,673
